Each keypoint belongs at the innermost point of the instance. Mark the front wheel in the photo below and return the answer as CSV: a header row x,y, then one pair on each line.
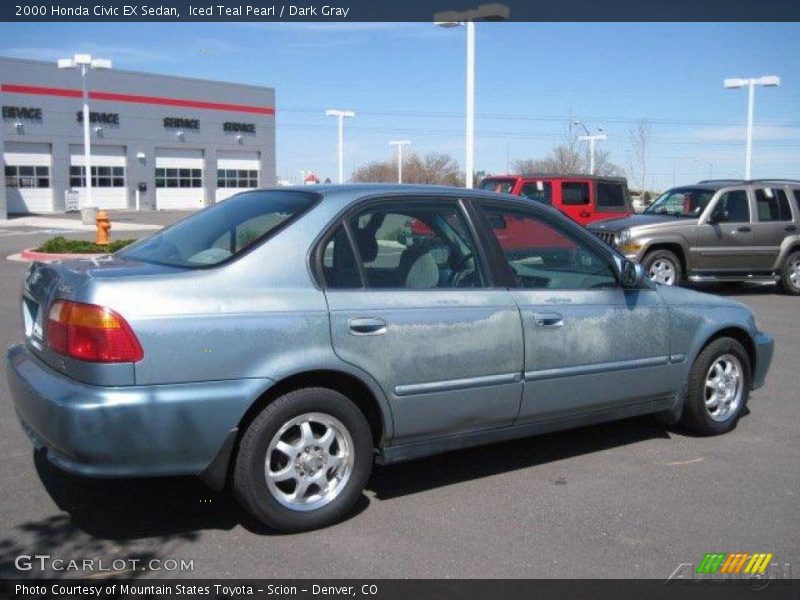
x,y
304,461
663,266
718,388
790,274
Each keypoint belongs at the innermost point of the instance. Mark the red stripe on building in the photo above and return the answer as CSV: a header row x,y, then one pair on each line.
x,y
132,98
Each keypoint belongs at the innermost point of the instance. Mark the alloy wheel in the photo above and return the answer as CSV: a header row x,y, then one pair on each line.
x,y
662,271
309,461
724,388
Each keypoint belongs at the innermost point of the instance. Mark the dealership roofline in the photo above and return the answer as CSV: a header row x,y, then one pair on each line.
x,y
149,74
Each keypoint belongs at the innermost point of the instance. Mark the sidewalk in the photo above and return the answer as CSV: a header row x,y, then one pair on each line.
x,y
69,224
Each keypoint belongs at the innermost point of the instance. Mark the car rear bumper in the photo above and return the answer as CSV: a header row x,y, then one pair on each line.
x,y
126,431
765,346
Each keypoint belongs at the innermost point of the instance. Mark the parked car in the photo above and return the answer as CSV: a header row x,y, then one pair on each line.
x,y
583,198
717,230
285,339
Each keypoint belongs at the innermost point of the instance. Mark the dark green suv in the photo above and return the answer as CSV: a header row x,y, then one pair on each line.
x,y
716,230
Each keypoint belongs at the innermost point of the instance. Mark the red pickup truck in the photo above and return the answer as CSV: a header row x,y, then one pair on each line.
x,y
584,198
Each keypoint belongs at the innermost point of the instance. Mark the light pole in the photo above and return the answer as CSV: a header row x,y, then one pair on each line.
x,y
751,83
85,62
485,12
341,115
592,139
400,144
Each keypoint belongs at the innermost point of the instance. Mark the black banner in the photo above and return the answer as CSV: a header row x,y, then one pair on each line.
x,y
407,10
265,589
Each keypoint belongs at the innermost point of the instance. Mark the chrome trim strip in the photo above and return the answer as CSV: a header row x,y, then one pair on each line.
x,y
596,368
677,358
450,385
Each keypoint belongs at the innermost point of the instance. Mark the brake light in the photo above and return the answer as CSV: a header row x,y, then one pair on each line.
x,y
92,333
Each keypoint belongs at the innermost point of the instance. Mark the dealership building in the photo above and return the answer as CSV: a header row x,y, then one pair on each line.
x,y
157,141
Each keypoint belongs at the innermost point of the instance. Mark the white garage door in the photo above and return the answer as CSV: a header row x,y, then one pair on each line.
x,y
108,175
179,178
236,172
28,174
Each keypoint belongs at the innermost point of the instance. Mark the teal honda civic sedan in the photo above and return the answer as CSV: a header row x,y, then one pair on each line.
x,y
284,340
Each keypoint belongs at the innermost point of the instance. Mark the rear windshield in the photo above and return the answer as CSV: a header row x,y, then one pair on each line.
x,y
222,231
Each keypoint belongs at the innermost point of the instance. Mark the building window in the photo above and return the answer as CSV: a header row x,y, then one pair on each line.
x,y
179,178
237,178
102,177
27,177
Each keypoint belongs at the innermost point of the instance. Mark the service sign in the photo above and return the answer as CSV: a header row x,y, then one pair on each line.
x,y
180,123
26,113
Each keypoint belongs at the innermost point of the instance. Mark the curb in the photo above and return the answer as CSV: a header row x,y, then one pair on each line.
x,y
32,255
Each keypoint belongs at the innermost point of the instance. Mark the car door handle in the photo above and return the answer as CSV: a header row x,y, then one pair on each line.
x,y
548,320
585,214
366,326
790,228
743,229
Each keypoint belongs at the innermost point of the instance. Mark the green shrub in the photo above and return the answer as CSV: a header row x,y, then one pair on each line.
x,y
61,245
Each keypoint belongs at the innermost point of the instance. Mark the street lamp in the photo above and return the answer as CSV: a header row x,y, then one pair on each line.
x,y
84,62
447,19
341,115
751,83
592,139
400,144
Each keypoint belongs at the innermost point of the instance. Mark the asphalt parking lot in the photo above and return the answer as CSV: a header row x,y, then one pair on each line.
x,y
626,499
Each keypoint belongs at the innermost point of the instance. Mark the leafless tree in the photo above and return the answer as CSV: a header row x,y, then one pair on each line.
x,y
638,149
433,168
566,160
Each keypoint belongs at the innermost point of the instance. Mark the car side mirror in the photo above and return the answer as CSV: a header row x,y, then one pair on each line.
x,y
633,276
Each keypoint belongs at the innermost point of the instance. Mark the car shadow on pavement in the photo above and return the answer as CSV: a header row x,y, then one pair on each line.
x,y
109,519
484,461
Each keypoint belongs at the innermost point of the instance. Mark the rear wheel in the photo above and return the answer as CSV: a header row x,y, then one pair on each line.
x,y
790,274
304,461
718,388
663,266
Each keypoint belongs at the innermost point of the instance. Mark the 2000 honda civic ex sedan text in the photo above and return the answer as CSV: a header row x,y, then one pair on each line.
x,y
285,339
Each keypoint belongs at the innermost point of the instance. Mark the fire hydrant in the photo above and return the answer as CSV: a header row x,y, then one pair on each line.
x,y
103,228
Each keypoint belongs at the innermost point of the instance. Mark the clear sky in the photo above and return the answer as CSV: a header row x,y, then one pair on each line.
x,y
407,81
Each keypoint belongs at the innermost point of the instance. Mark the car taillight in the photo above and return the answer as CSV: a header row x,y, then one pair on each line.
x,y
92,333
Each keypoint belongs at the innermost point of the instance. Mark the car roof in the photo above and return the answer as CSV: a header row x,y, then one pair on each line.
x,y
559,176
720,183
350,192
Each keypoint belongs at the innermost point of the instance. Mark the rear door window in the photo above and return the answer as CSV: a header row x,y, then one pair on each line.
x,y
772,205
574,193
416,245
540,191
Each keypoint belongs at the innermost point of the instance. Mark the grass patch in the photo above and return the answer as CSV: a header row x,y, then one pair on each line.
x,y
61,245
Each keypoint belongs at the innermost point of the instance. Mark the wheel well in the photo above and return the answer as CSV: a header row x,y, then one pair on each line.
x,y
345,384
741,336
676,249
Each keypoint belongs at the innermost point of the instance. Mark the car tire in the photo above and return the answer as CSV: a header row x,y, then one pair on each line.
x,y
718,388
279,455
790,274
663,266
